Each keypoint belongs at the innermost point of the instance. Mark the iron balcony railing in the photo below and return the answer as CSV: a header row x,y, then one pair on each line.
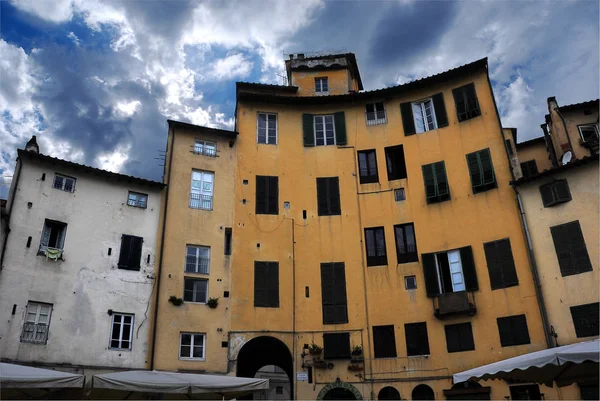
x,y
204,151
454,303
198,201
34,333
197,265
374,118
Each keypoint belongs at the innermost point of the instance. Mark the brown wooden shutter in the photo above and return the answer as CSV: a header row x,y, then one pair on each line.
x,y
334,196
561,190
136,252
260,284
468,266
273,195
440,110
430,274
124,252
261,194
339,293
340,128
501,265
547,195
417,341
336,345
322,198
308,129
407,119
571,251
586,319
272,284
384,341
327,293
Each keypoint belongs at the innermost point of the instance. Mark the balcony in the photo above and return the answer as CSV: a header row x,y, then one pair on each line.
x,y
198,201
34,333
454,303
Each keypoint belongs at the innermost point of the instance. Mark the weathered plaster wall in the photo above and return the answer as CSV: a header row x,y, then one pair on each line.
x,y
339,81
535,151
84,286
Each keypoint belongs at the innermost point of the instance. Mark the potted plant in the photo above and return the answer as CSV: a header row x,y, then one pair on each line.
x,y
212,302
319,364
357,350
175,300
314,349
355,367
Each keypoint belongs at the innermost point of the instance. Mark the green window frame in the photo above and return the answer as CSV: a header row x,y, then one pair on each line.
x,y
481,170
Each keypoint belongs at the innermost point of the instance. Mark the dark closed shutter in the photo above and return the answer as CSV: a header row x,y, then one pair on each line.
x,y
529,168
131,252
466,102
459,337
468,266
308,129
328,196
585,319
513,330
273,284
487,167
442,180
571,250
336,345
273,195
428,178
260,284
267,195
396,165
417,342
261,194
500,263
333,293
340,128
430,274
547,195
561,190
384,341
407,119
440,110
474,171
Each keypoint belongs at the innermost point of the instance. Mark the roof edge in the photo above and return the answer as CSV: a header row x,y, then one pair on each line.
x,y
201,128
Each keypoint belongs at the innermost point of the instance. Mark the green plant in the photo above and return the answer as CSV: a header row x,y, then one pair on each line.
x,y
175,300
314,348
212,302
357,350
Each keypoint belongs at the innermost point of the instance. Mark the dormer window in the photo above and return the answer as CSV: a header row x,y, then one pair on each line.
x,y
321,86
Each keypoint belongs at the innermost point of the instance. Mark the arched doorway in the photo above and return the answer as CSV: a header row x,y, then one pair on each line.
x,y
388,393
261,352
423,392
339,390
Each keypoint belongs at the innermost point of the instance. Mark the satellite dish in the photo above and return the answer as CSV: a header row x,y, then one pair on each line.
x,y
567,157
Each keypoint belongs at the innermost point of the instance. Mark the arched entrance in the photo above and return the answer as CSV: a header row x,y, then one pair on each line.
x,y
339,390
264,351
423,392
388,393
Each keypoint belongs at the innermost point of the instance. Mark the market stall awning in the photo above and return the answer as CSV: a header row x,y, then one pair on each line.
x,y
178,383
563,365
18,376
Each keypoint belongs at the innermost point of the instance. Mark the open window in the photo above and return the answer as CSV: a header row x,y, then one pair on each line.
x,y
53,238
37,321
450,271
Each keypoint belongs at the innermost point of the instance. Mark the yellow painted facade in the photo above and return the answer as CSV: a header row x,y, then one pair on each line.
x,y
535,151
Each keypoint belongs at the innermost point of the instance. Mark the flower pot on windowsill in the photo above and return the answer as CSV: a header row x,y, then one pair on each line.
x,y
175,300
314,349
212,302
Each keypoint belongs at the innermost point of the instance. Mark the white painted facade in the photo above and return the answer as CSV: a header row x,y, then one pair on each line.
x,y
84,286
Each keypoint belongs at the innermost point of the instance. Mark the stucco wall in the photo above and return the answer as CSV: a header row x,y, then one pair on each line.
x,y
339,81
560,293
84,286
536,151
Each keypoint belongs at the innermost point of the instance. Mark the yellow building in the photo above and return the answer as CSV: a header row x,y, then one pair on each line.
x,y
195,248
560,209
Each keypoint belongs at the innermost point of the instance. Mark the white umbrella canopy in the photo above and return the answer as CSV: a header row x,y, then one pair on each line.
x,y
18,376
178,383
563,365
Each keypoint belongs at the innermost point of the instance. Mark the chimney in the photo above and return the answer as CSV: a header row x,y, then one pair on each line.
x,y
300,56
32,146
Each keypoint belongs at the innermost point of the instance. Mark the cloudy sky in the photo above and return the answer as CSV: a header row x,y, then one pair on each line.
x,y
97,80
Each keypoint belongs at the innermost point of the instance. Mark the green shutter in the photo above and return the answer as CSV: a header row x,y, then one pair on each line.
x,y
340,128
440,110
468,266
441,179
430,274
429,180
407,119
485,160
308,129
474,170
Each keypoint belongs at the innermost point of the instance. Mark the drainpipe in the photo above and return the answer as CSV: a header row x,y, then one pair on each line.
x,y
295,387
534,271
162,247
9,212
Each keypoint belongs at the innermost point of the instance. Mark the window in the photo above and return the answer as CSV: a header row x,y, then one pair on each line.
x,y
394,159
465,99
417,342
513,330
197,259
589,133
525,392
266,284
321,85
375,113
375,243
121,331
201,196
436,182
191,345
205,148
195,290
267,195
423,392
266,128
324,130
529,168
481,171
336,345
410,282
136,199
333,293
53,236
367,166
406,244
399,194
500,264
459,337
585,319
64,183
555,192
450,271
328,196
424,115
131,252
37,321
570,248
228,235
384,341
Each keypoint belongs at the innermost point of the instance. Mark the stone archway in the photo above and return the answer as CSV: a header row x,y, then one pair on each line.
x,y
330,391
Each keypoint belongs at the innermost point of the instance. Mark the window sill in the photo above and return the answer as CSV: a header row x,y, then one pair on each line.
x,y
375,181
137,207
43,254
198,273
120,349
385,265
192,359
129,268
470,118
484,188
195,303
435,201
419,356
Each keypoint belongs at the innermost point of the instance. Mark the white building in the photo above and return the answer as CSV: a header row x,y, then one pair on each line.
x,y
77,271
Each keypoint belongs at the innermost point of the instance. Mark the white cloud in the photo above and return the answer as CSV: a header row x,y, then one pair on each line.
x,y
230,67
517,105
114,161
55,11
128,109
74,38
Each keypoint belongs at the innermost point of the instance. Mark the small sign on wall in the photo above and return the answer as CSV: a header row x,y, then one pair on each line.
x,y
301,376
